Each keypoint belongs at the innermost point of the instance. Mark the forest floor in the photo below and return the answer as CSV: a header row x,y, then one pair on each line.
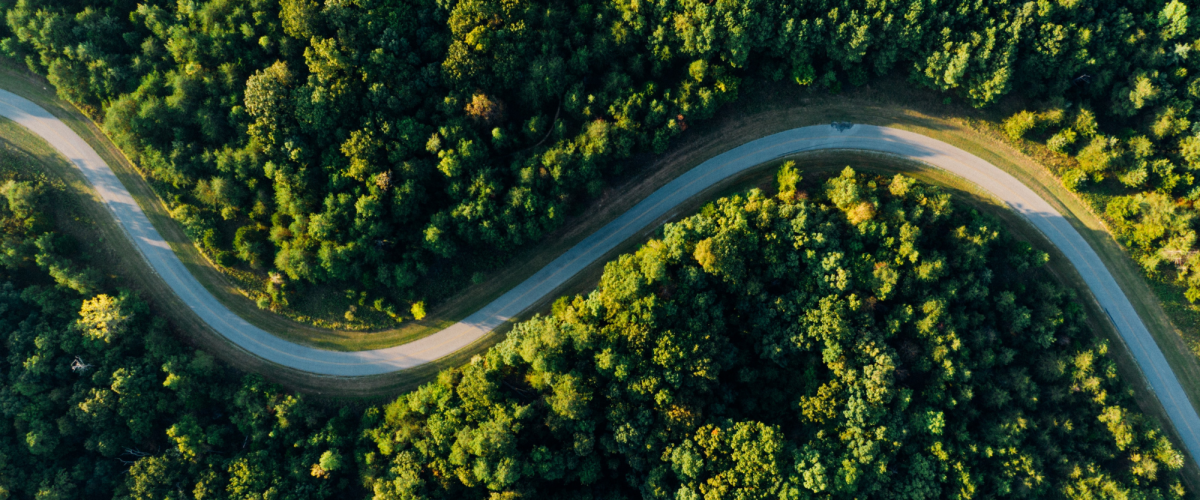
x,y
762,110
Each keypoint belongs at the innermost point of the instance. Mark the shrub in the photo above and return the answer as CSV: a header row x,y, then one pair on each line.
x,y
1062,141
787,178
1052,117
1074,178
1016,126
1085,123
1099,155
1134,176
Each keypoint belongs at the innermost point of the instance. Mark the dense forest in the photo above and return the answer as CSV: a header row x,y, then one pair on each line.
x,y
877,343
99,400
395,148
857,337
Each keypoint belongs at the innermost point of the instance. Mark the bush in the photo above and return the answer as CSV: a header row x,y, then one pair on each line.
x,y
1134,176
1099,155
193,221
1189,149
787,178
1016,126
224,258
1062,141
1074,178
1085,123
1120,208
1052,117
250,242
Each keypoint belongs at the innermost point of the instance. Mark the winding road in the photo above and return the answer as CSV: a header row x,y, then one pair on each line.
x,y
841,136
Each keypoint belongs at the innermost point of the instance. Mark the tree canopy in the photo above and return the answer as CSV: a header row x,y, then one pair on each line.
x,y
395,148
99,400
859,336
875,341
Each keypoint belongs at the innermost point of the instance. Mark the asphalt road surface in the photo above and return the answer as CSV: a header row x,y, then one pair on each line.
x,y
838,135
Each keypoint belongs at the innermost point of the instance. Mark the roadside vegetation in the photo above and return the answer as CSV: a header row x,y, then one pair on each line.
x,y
868,339
1141,183
352,164
98,399
855,335
357,164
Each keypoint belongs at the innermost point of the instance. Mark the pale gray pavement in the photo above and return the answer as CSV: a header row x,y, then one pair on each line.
x,y
858,137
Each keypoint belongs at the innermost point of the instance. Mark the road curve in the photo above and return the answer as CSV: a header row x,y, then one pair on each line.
x,y
840,136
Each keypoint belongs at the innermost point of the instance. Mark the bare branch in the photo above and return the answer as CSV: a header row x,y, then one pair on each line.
x,y
78,366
